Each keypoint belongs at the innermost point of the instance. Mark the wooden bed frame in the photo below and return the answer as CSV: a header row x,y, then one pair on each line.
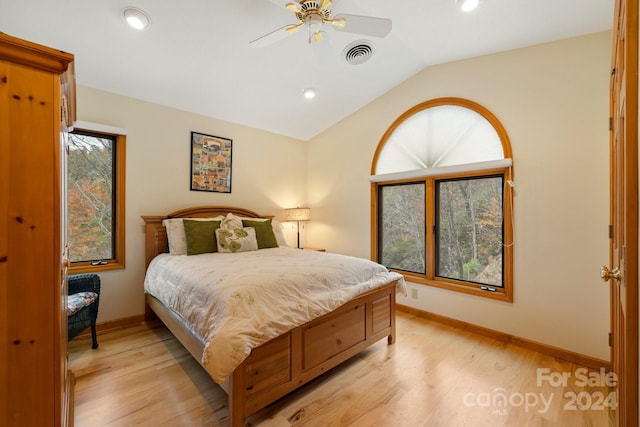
x,y
290,360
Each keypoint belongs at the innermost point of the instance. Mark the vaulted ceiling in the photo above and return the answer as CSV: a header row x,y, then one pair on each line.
x,y
195,54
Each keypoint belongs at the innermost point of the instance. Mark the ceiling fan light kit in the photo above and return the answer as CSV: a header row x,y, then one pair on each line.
x,y
315,14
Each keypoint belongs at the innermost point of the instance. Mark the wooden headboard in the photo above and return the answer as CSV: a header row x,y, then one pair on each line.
x,y
156,235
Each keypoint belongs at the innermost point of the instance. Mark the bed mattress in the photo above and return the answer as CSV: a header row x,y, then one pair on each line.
x,y
238,301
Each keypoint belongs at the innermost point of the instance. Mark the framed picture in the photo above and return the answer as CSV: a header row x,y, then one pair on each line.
x,y
210,163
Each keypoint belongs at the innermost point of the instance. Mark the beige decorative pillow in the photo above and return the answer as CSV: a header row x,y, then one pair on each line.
x,y
237,240
278,230
231,222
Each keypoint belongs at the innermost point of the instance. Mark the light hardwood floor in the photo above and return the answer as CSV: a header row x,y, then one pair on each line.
x,y
434,375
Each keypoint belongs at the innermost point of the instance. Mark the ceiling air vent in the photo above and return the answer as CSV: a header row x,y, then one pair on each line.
x,y
358,52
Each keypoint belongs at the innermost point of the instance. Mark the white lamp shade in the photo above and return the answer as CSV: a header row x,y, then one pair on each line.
x,y
298,214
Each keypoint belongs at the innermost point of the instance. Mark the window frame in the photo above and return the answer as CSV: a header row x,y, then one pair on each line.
x,y
118,261
429,278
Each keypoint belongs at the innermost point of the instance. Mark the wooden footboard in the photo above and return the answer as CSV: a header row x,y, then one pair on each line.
x,y
295,358
288,361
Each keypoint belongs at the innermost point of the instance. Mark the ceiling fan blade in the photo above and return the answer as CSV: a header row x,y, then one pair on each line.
x,y
293,7
293,28
365,25
325,4
274,36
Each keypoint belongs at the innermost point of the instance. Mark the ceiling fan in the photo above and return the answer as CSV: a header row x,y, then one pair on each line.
x,y
315,14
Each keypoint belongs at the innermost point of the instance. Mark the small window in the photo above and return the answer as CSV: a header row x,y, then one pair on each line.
x,y
95,200
402,217
442,212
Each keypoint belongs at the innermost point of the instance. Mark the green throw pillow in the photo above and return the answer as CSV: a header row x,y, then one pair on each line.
x,y
201,236
264,233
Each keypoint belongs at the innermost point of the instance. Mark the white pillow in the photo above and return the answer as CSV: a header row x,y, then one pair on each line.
x,y
232,222
278,230
236,240
176,236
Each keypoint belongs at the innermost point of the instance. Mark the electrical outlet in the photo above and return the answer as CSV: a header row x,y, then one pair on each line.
x,y
414,293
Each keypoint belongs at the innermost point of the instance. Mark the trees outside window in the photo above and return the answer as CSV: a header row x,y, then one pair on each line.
x,y
95,200
469,230
442,212
402,227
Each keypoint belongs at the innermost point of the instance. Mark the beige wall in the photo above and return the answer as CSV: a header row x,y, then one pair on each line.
x,y
553,101
268,175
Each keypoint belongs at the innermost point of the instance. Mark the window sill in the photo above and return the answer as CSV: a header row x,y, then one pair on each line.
x,y
500,294
88,268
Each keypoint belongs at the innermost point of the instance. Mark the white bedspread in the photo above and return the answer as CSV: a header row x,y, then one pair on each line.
x,y
238,301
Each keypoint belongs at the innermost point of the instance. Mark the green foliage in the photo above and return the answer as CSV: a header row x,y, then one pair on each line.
x,y
471,269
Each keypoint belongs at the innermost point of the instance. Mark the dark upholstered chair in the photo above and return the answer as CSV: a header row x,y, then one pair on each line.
x,y
82,305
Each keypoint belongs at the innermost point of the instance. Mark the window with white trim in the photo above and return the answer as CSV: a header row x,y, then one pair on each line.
x,y
442,183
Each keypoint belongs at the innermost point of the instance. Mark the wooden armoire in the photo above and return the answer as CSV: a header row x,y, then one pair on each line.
x,y
37,104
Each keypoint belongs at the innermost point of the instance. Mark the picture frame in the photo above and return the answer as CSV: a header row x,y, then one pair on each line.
x,y
210,163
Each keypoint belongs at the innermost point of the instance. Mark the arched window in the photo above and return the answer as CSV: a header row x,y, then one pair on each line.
x,y
442,193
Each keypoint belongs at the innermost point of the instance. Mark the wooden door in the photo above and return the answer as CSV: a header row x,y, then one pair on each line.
x,y
623,272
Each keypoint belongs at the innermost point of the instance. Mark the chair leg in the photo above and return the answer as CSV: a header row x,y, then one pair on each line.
x,y
94,338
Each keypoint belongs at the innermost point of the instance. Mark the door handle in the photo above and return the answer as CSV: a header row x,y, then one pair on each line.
x,y
606,274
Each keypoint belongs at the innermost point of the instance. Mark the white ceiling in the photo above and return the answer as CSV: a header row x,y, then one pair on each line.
x,y
195,54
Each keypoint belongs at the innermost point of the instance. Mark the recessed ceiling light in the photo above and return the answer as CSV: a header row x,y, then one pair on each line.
x,y
135,17
468,5
309,93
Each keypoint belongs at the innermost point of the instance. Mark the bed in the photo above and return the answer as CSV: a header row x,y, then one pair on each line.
x,y
281,358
